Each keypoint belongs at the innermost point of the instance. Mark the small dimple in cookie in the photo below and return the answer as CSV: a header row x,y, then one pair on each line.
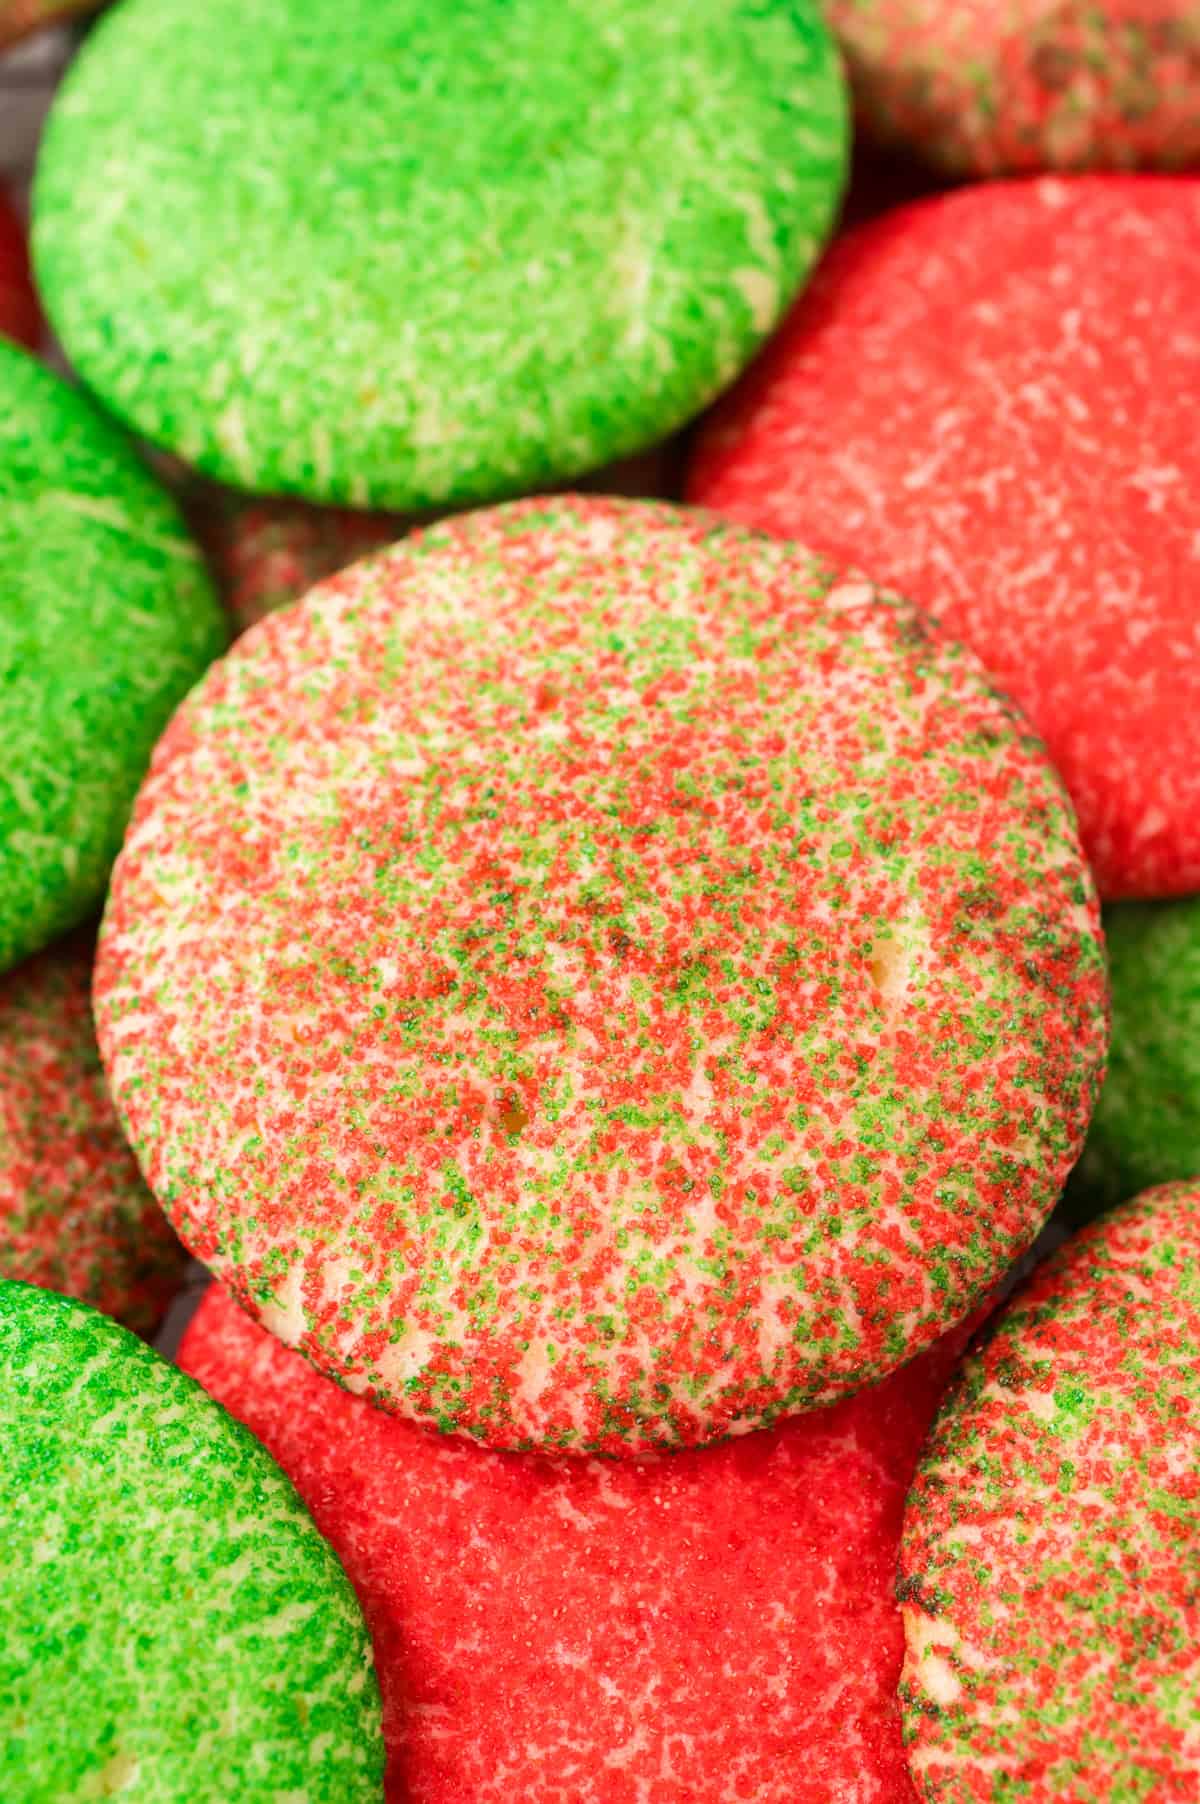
x,y
75,1214
589,977
106,620
1051,1560
19,318
984,399
406,259
175,1630
715,1625
1027,86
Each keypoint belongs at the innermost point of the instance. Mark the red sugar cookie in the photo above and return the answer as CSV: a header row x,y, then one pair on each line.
x,y
19,315
716,1625
987,399
590,979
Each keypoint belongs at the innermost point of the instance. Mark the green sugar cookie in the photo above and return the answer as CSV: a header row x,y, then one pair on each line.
x,y
405,255
1146,1128
174,1629
106,620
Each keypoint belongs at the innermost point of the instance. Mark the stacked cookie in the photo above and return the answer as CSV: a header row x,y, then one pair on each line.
x,y
611,988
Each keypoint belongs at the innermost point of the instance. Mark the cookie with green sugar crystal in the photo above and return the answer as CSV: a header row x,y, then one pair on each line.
x,y
590,978
174,1629
1146,1128
106,620
409,254
1050,1564
983,89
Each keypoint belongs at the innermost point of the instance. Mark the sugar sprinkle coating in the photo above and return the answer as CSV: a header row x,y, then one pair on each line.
x,y
19,318
715,1625
266,554
1028,85
106,619
400,261
587,977
984,400
1051,1558
174,1628
667,983
1146,1128
75,1215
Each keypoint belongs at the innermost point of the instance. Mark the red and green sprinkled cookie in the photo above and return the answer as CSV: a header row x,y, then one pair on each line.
x,y
266,554
986,400
717,1625
1050,1571
75,1215
981,88
590,978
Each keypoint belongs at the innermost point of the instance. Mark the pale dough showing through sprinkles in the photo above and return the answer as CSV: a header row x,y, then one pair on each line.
x,y
1050,1566
589,978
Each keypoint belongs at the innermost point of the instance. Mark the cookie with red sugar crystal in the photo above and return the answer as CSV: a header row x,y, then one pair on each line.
x,y
19,317
590,978
267,553
75,1214
718,1624
1030,85
1051,1555
986,401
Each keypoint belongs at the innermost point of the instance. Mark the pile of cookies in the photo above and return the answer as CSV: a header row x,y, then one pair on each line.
x,y
593,757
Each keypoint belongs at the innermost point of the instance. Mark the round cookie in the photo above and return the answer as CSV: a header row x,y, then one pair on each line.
x,y
18,304
106,620
399,262
1028,85
1051,1560
267,554
75,1215
174,1627
984,401
589,978
713,1624
1146,1128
